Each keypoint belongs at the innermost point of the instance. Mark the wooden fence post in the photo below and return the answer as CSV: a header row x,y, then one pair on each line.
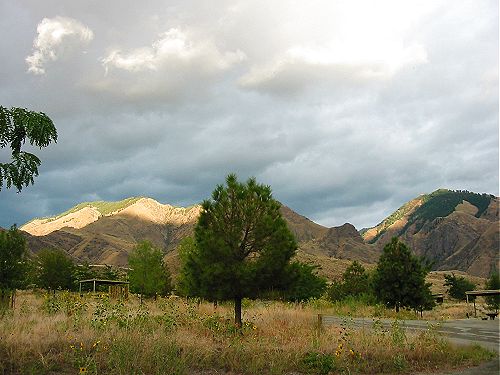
x,y
320,323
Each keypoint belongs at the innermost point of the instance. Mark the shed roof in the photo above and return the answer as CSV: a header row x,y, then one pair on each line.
x,y
483,292
102,281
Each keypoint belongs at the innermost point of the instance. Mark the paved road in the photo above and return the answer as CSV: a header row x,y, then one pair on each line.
x,y
463,331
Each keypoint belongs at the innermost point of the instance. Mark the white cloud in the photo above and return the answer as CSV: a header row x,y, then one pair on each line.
x,y
302,65
396,98
172,46
54,34
348,41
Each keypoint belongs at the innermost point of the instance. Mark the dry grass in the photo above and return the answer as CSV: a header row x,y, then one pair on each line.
x,y
178,337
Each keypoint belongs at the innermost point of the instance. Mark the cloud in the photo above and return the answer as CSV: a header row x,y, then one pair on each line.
x,y
302,66
346,108
55,36
176,64
173,47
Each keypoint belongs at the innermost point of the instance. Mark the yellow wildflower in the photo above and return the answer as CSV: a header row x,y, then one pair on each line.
x,y
83,370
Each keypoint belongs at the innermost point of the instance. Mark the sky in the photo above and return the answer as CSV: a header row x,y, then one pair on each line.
x,y
347,109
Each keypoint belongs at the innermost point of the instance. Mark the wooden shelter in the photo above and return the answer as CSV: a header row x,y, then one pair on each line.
x,y
481,293
117,289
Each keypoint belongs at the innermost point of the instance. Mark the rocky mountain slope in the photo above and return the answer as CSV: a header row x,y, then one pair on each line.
x,y
104,232
455,229
458,230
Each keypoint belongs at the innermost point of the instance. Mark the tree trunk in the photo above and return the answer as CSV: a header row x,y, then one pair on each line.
x,y
237,311
397,307
4,302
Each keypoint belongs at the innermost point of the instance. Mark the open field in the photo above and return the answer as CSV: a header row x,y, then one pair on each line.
x,y
69,335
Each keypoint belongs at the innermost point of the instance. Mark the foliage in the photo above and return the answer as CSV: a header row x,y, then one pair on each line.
x,y
355,279
149,275
16,126
65,301
493,283
318,363
305,283
54,270
108,273
442,203
399,279
355,282
104,208
242,246
83,272
13,259
457,286
95,335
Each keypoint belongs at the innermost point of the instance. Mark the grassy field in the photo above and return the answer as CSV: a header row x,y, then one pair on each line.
x,y
69,335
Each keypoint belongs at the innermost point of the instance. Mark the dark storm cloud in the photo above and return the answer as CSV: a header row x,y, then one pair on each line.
x,y
345,116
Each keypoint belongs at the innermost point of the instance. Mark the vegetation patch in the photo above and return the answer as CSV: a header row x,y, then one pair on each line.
x,y
442,203
104,208
179,336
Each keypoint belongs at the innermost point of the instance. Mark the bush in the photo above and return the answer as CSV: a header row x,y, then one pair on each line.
x,y
355,282
318,363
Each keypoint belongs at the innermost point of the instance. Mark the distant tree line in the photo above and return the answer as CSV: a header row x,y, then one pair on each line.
x,y
53,269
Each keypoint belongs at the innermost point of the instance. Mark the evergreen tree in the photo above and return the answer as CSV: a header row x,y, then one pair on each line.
x,y
355,282
457,286
399,279
148,276
54,270
242,246
17,125
305,283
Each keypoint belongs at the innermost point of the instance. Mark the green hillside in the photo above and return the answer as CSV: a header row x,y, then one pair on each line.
x,y
442,203
105,208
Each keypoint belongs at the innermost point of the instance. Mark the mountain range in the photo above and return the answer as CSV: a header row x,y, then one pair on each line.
x,y
456,230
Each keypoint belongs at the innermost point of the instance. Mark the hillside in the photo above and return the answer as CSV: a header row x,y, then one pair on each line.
x,y
455,229
104,232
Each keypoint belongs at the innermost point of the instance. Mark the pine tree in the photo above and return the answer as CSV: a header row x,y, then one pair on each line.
x,y
242,246
355,282
399,279
305,283
457,286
